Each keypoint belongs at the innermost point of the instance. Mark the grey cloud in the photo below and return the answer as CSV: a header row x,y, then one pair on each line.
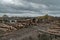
x,y
24,6
29,6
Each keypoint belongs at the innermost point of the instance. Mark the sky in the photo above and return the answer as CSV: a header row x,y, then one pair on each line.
x,y
29,7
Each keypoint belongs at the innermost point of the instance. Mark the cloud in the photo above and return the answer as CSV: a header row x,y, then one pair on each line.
x,y
15,6
33,7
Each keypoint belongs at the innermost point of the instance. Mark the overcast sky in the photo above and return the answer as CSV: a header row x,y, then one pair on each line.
x,y
29,7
